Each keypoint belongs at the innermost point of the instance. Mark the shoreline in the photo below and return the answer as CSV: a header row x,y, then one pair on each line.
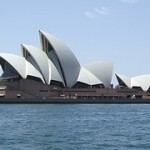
x,y
73,101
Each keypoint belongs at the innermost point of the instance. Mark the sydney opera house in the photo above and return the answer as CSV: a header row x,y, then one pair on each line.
x,y
54,71
53,66
141,82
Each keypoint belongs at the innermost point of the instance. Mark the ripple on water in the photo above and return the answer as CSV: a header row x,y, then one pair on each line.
x,y
61,127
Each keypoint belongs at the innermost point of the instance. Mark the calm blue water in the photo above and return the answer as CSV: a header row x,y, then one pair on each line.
x,y
74,127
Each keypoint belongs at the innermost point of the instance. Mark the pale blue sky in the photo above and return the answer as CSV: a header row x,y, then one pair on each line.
x,y
113,30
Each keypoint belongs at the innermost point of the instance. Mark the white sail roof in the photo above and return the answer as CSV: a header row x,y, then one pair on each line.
x,y
126,80
42,63
102,70
55,62
23,67
87,77
62,57
142,81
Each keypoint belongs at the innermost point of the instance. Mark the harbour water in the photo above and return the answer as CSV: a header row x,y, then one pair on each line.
x,y
74,127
